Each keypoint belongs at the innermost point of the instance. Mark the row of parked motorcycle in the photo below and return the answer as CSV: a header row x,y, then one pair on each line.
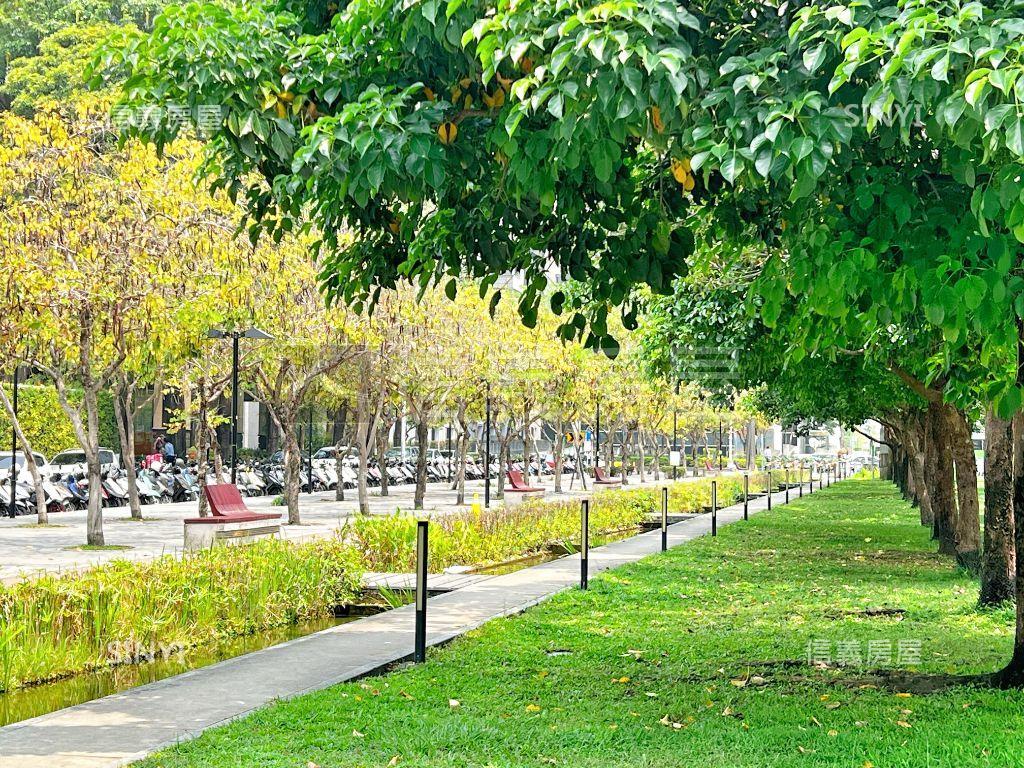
x,y
160,482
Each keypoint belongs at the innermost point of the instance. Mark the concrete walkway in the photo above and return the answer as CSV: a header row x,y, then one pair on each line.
x,y
125,727
27,550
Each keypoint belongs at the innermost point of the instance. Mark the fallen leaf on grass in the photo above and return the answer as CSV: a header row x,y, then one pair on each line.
x,y
903,724
393,761
804,751
407,696
454,703
532,708
622,679
357,734
833,732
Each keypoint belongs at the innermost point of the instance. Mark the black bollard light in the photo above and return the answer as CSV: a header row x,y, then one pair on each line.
x,y
664,519
420,653
769,490
800,483
787,485
714,508
584,541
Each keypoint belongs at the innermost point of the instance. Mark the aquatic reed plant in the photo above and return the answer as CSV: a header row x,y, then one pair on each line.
x,y
58,625
478,537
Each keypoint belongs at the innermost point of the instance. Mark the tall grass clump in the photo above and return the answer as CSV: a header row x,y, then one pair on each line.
x,y
55,626
478,537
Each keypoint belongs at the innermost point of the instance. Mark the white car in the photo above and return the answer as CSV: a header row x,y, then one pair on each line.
x,y
19,457
72,461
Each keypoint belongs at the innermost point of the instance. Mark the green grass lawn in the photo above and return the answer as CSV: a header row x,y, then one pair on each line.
x,y
695,658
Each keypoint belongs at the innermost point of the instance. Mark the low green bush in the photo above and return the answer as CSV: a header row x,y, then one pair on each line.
x,y
55,626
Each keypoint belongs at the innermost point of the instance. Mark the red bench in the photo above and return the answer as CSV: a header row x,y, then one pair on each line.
x,y
518,484
227,506
600,478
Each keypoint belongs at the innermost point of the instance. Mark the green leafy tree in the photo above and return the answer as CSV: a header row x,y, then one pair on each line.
x,y
54,74
875,148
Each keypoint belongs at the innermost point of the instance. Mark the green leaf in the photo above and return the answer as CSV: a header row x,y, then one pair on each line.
x,y
972,290
1015,137
814,58
974,91
732,166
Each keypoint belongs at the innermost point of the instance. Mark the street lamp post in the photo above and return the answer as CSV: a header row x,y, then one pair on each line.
x,y
597,439
487,451
249,333
13,511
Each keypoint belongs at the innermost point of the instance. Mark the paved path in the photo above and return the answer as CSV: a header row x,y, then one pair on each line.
x,y
119,729
27,550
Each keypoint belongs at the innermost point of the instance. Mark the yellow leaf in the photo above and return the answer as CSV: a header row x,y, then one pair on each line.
x,y
532,708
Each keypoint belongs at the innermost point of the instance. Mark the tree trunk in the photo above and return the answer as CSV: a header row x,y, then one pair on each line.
x,y
1012,675
421,464
939,475
997,562
203,441
382,447
292,466
30,463
124,406
557,448
364,435
94,519
460,469
967,524
339,437
916,436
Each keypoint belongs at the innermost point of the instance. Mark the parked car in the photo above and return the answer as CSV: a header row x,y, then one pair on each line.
x,y
72,461
412,453
6,462
330,453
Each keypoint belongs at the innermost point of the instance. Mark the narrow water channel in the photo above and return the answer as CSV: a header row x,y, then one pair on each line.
x,y
25,703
